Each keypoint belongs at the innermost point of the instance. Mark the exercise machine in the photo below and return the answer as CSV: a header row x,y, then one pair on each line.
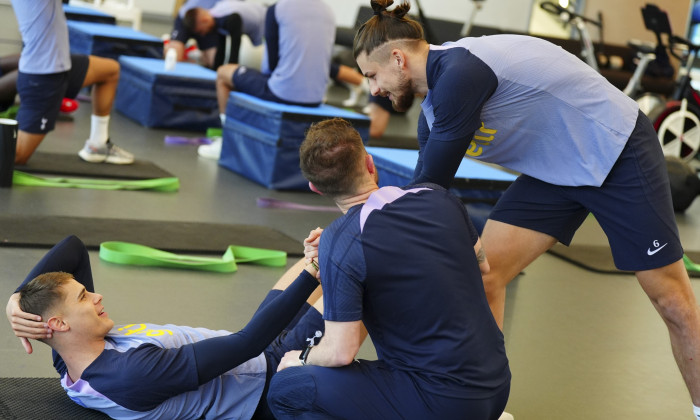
x,y
579,22
678,124
478,4
650,103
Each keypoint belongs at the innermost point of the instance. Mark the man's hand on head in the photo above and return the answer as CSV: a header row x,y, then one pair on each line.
x,y
25,325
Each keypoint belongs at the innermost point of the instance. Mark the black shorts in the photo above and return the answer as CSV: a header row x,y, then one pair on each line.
x,y
41,95
633,206
254,83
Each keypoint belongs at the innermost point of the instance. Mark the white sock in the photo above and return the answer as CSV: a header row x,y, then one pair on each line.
x,y
696,411
222,117
99,130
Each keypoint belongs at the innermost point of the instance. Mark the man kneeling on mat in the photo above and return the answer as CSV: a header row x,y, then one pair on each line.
x,y
48,72
158,371
406,263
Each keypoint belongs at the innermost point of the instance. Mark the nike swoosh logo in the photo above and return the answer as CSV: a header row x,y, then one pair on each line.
x,y
650,252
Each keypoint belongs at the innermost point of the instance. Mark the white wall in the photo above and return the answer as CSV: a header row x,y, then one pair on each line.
x,y
503,14
156,7
622,20
622,17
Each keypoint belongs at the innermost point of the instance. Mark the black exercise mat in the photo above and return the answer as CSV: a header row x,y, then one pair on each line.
x,y
599,258
40,398
178,237
65,164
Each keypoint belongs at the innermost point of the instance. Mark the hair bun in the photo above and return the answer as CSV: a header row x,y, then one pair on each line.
x,y
401,10
379,6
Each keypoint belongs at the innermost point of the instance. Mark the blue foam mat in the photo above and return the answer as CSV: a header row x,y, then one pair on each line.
x,y
261,138
87,14
474,181
111,41
182,98
99,29
153,68
477,184
468,169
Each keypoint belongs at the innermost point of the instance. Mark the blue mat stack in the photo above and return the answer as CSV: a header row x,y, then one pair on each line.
x,y
261,139
183,98
111,41
86,14
477,184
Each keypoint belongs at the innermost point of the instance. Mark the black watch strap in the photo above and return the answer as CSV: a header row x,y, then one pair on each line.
x,y
304,355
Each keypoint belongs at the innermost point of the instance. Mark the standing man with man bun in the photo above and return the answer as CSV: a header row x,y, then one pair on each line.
x,y
581,145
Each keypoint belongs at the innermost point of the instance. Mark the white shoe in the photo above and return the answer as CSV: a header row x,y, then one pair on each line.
x,y
109,153
211,151
506,416
357,93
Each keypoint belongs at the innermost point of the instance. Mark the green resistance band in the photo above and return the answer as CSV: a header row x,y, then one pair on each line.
x,y
10,112
689,265
135,254
168,184
214,132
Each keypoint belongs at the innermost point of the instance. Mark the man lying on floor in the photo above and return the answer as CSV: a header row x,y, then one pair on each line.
x,y
158,371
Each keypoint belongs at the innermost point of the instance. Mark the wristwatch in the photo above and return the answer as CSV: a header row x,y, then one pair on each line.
x,y
304,354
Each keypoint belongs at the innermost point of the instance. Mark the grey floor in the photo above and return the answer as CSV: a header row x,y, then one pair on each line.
x,y
581,345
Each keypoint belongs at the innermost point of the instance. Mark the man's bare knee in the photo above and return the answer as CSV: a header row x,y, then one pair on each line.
x,y
676,309
102,70
671,293
110,71
224,75
26,145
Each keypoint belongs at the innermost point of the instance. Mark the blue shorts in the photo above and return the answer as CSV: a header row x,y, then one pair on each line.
x,y
633,206
370,390
180,33
41,95
253,82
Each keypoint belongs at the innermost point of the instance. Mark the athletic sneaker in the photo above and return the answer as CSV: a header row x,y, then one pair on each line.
x,y
358,94
211,151
506,416
109,153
